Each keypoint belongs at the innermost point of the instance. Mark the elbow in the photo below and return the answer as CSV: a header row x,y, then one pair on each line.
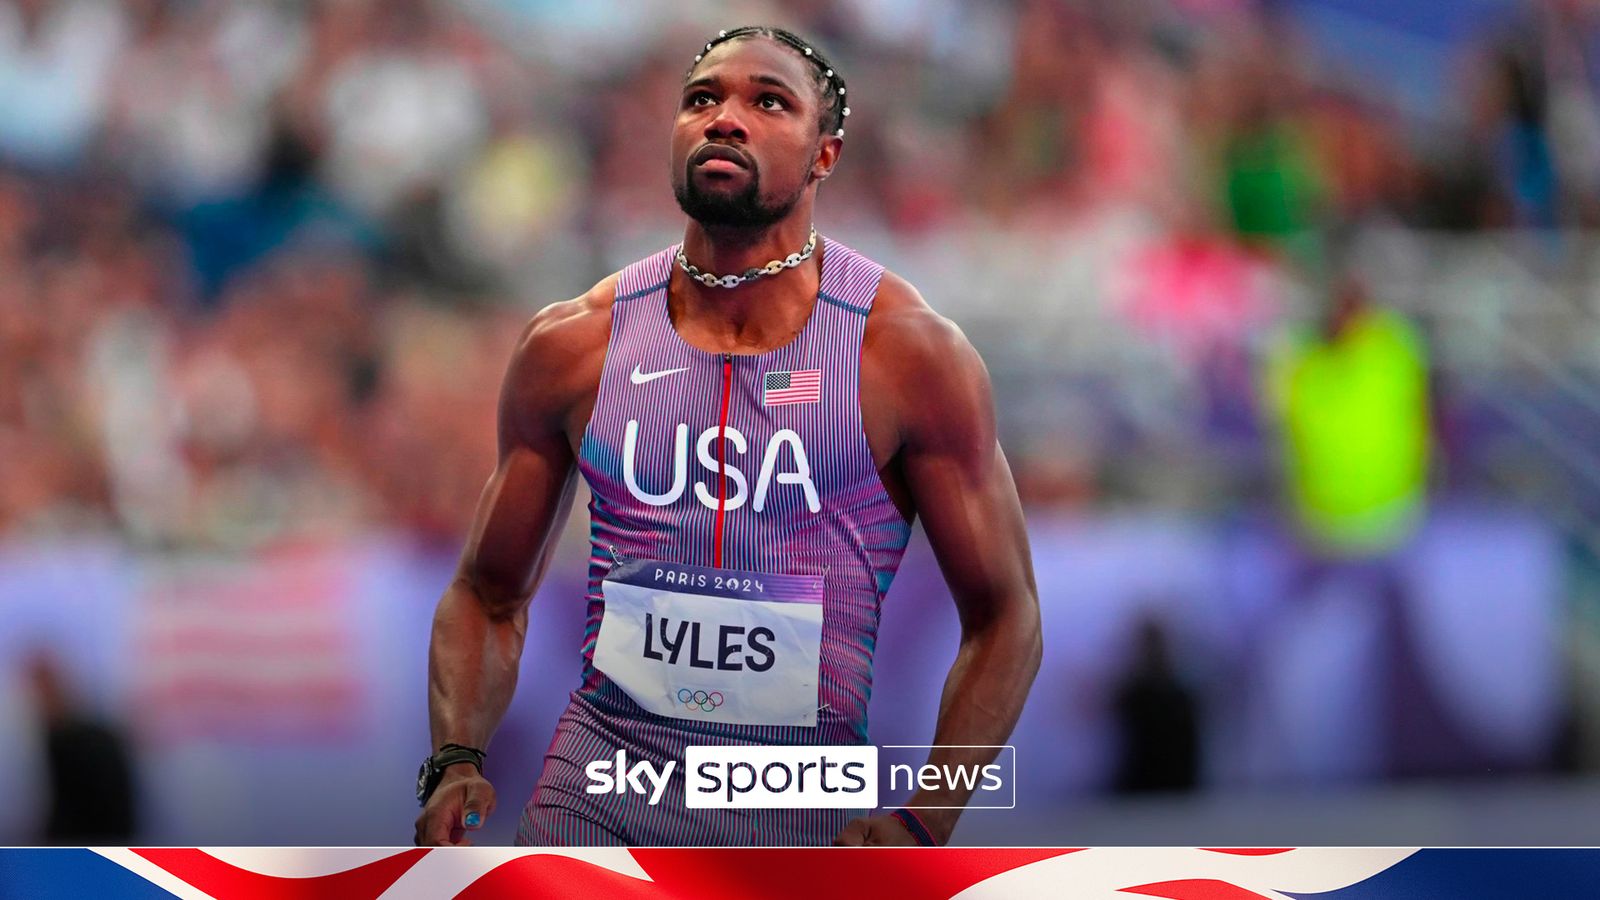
x,y
1024,634
1032,638
1015,632
497,601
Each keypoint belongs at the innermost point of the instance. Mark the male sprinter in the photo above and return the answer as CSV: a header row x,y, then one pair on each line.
x,y
758,437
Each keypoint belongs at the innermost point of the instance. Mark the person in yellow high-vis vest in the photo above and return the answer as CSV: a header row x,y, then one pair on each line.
x,y
1349,403
1352,409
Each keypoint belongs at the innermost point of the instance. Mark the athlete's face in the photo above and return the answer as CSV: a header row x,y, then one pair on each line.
x,y
746,143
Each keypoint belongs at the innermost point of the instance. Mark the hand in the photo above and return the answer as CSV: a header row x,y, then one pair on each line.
x,y
875,831
461,803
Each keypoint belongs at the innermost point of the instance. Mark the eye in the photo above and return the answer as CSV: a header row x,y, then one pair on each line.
x,y
696,98
772,101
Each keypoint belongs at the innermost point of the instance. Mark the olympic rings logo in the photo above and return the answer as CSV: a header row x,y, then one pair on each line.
x,y
700,699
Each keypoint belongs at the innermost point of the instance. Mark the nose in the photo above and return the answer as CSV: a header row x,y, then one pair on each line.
x,y
725,125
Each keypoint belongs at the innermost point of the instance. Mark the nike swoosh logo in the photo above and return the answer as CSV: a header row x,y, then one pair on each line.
x,y
638,377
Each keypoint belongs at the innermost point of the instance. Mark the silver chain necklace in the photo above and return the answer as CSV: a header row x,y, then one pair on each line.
x,y
733,281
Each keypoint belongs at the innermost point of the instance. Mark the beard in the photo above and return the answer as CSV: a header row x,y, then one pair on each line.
x,y
720,209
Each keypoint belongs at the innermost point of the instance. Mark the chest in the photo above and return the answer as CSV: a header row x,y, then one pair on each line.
x,y
670,424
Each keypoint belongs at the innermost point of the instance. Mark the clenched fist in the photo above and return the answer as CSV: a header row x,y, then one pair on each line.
x,y
461,803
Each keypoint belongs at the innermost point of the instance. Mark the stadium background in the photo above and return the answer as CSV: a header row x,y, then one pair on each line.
x,y
261,265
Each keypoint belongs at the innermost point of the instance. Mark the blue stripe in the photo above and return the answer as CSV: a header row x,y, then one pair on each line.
x,y
69,875
644,290
1478,874
858,310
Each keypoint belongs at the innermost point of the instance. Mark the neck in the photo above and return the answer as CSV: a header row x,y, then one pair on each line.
x,y
755,316
731,251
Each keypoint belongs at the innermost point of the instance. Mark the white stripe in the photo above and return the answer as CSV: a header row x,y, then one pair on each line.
x,y
300,862
152,873
447,871
1104,873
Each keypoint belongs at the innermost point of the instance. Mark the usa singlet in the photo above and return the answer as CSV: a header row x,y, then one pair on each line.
x,y
741,543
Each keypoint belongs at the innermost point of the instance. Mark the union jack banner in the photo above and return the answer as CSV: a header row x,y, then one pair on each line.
x,y
485,873
784,388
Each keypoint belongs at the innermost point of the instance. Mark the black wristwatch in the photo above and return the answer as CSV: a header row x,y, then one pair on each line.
x,y
433,767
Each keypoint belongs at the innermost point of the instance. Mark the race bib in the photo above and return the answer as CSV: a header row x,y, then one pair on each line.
x,y
699,643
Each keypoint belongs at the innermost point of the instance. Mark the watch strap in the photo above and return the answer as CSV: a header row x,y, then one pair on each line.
x,y
459,753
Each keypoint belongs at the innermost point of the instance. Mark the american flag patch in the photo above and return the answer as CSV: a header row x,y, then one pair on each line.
x,y
784,388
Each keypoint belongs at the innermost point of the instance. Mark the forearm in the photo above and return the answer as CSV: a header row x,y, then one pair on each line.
x,y
982,699
473,660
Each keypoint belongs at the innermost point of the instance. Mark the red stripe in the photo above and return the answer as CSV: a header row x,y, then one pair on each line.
x,y
722,449
1194,889
795,873
226,881
545,876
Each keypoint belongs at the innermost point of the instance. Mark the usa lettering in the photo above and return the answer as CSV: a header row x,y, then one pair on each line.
x,y
784,448
729,649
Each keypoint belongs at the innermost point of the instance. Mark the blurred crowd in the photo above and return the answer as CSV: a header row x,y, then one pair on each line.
x,y
261,263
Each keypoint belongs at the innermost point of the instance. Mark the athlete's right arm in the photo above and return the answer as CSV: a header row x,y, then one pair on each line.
x,y
482,619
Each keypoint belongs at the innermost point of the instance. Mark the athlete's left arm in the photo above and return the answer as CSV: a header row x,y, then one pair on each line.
x,y
960,484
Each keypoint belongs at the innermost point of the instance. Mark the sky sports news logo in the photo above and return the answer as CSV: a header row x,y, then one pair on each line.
x,y
817,777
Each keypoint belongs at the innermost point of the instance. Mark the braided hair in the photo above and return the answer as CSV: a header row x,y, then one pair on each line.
x,y
830,84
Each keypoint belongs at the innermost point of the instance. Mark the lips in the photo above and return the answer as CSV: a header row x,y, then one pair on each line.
x,y
722,152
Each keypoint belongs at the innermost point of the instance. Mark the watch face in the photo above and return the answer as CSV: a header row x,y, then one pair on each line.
x,y
422,780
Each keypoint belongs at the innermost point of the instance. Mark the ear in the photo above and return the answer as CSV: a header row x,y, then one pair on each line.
x,y
829,146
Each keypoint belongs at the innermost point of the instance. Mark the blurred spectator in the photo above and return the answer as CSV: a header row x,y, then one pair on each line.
x,y
56,59
91,790
1271,182
1350,401
402,112
1537,110
1158,720
228,226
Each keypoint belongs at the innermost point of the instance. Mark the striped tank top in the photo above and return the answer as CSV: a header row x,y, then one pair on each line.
x,y
796,492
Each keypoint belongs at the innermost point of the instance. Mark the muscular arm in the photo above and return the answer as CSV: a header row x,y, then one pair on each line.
x,y
480,624
959,483
963,490
482,619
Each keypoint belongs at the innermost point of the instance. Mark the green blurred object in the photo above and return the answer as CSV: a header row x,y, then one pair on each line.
x,y
1272,187
1354,414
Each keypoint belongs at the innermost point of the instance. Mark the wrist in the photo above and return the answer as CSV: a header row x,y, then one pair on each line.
x,y
940,823
458,771
448,764
918,827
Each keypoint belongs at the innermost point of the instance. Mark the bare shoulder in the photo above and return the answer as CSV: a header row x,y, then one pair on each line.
x,y
908,337
558,358
920,374
562,331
